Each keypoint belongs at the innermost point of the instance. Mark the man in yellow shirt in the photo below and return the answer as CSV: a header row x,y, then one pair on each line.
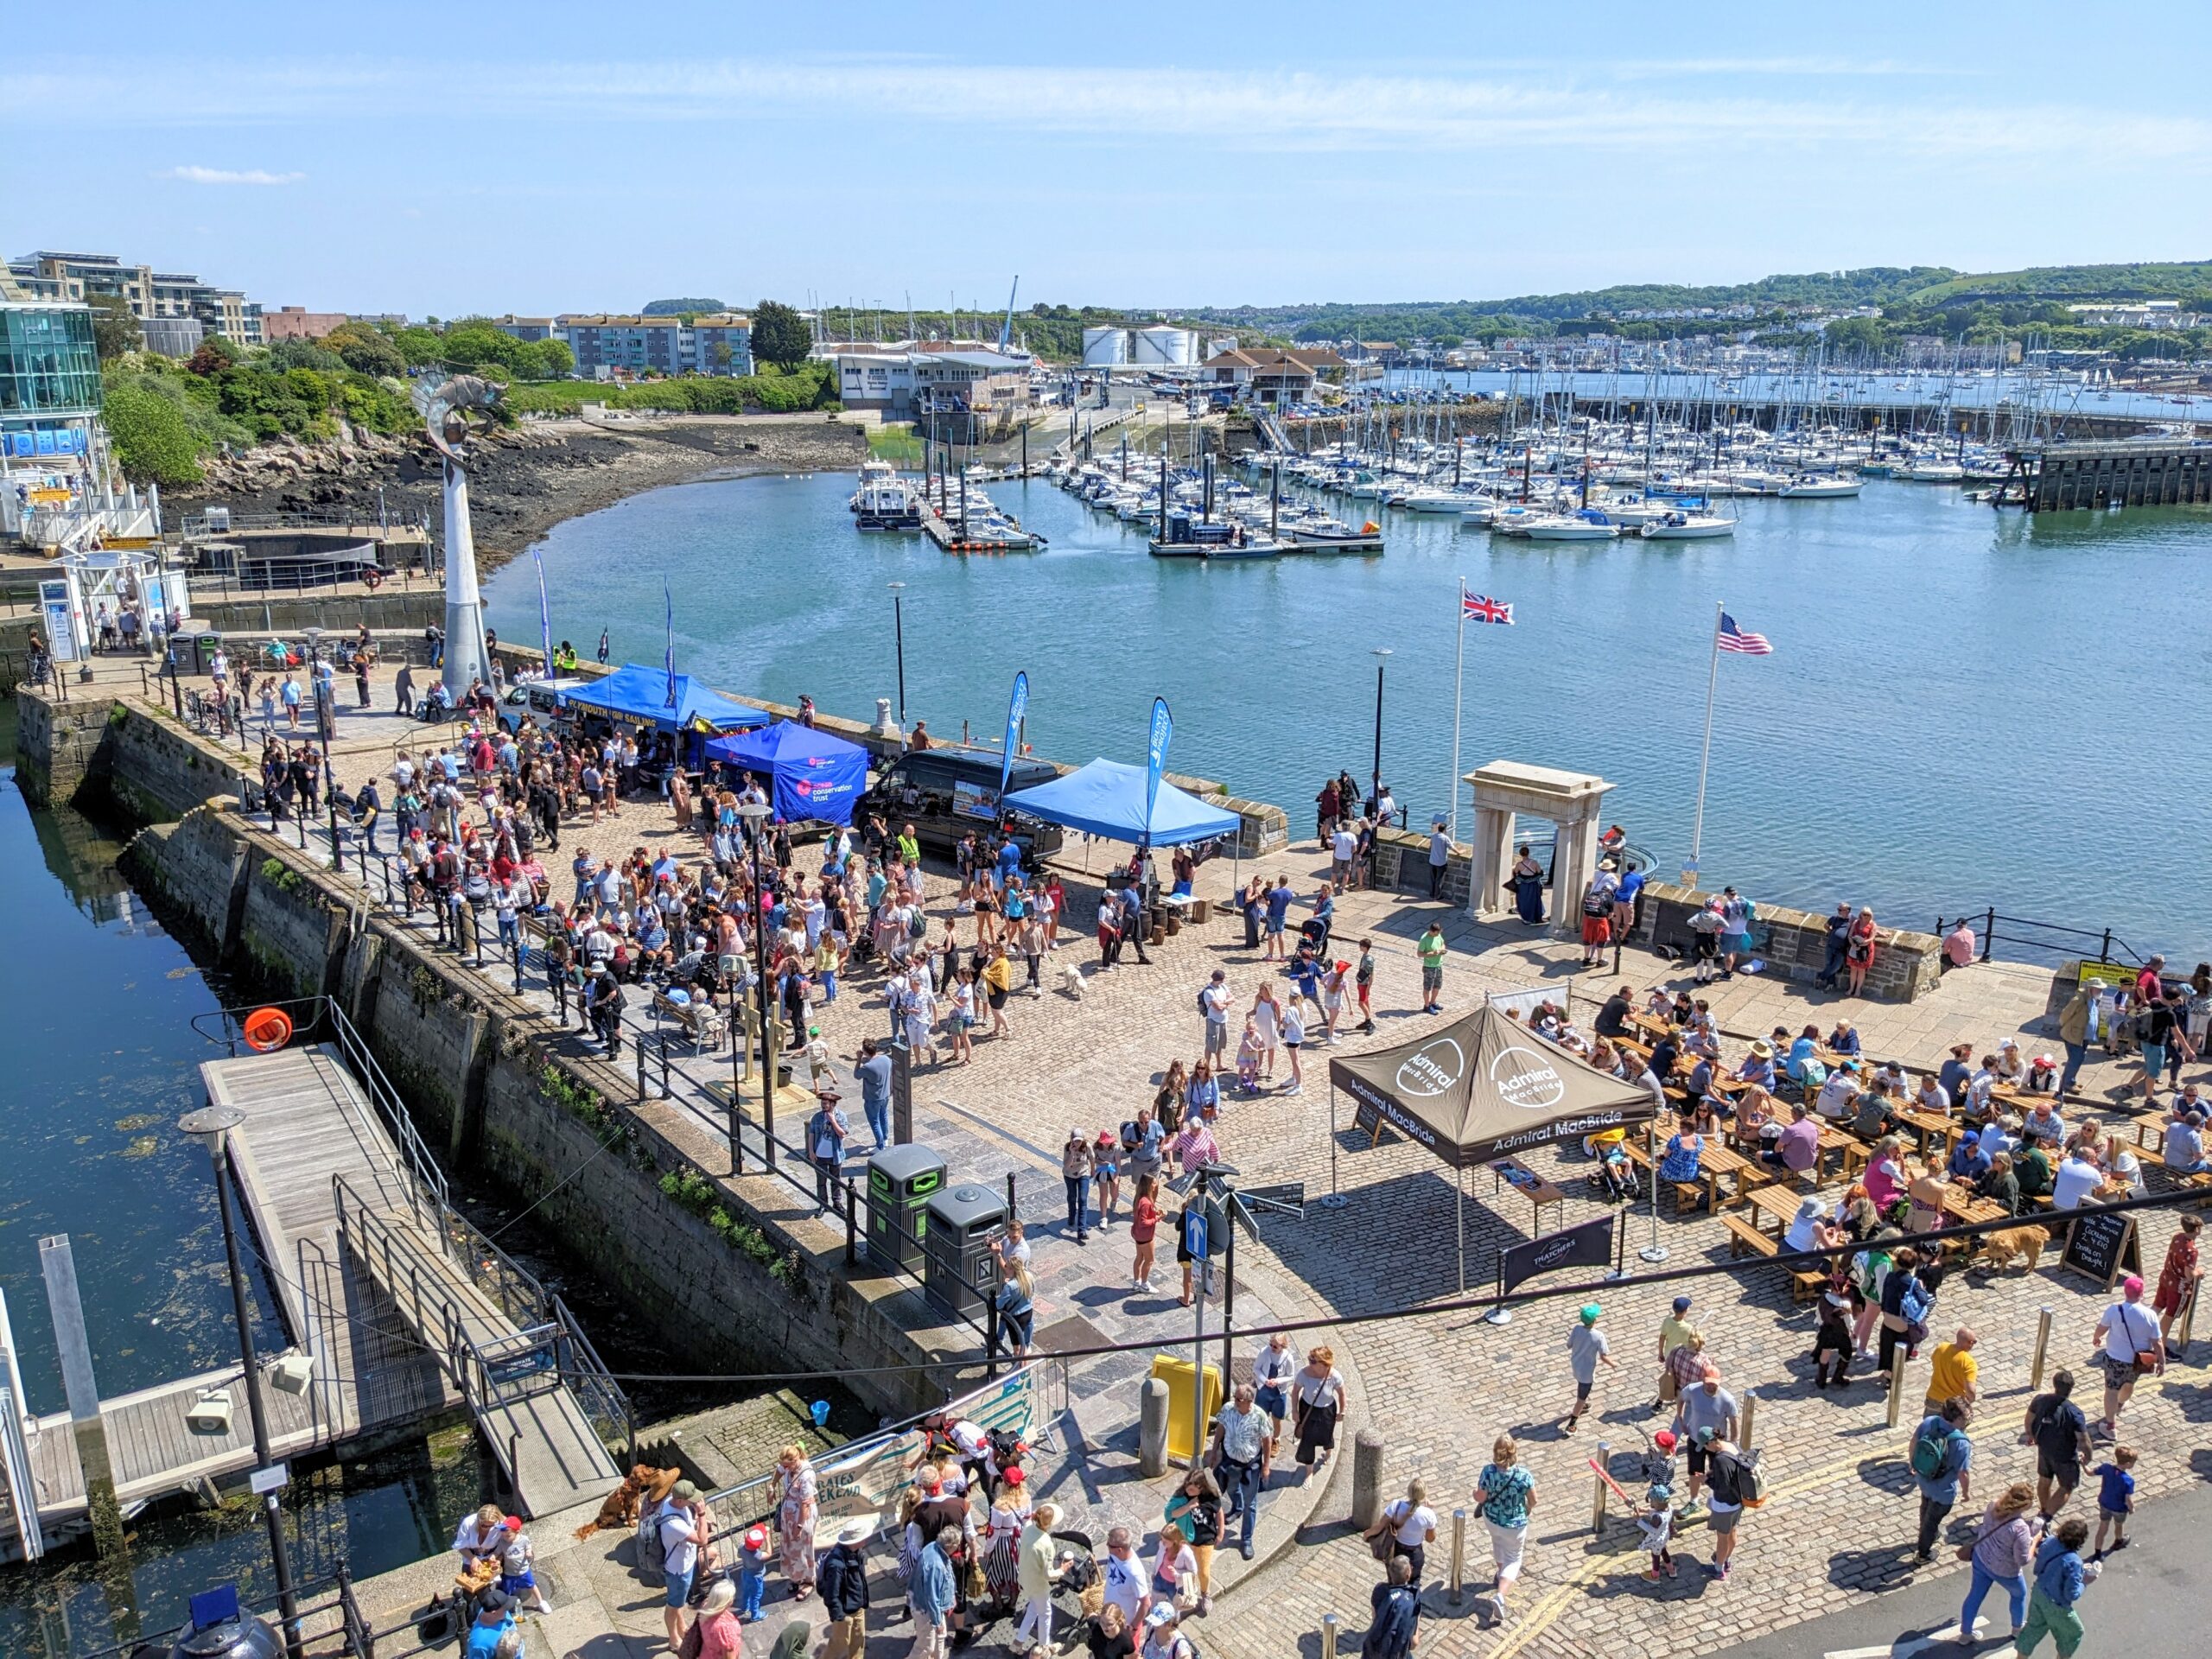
x,y
1674,1330
1953,1371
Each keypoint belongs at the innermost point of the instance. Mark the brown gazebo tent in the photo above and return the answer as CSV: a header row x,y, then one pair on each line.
x,y
1485,1087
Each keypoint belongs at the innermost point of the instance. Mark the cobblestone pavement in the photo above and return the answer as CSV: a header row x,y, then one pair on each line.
x,y
1837,1527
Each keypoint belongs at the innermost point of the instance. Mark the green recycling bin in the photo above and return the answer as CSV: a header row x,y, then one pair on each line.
x,y
901,1181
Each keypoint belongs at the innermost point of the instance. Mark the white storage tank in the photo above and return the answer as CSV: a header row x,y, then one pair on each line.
x,y
1104,347
1163,345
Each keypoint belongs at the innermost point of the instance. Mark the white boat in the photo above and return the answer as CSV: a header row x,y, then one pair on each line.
x,y
1815,487
884,500
1578,528
1935,471
1688,527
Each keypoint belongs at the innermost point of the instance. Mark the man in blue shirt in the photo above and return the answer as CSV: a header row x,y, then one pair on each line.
x,y
1942,1456
1009,860
1970,1160
1956,1073
1132,920
1278,898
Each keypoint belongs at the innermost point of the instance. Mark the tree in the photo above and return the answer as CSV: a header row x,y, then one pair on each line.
x,y
115,330
304,355
215,354
780,335
365,352
546,359
420,346
152,440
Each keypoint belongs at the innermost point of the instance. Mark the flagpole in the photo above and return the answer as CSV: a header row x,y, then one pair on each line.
x,y
1459,696
1704,760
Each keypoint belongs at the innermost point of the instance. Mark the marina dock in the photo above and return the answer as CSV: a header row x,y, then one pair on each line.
x,y
402,1312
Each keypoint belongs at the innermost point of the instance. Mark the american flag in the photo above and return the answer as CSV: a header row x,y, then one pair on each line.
x,y
1733,639
1477,607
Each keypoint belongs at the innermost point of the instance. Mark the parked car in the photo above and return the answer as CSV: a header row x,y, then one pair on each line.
x,y
944,793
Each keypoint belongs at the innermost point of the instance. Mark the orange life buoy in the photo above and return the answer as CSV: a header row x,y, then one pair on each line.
x,y
267,1028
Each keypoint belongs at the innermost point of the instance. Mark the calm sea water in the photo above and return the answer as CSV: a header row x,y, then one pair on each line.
x,y
1964,707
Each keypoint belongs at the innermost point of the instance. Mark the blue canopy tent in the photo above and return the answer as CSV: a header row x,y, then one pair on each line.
x,y
637,692
1107,799
814,774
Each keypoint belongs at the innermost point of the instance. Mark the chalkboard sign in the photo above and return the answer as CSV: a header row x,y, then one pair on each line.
x,y
2103,1247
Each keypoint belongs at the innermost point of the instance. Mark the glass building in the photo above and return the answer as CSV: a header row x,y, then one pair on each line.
x,y
49,378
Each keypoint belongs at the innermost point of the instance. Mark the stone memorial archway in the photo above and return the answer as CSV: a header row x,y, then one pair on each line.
x,y
1573,801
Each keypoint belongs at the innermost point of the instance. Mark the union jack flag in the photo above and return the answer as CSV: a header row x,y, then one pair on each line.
x,y
1733,639
1477,607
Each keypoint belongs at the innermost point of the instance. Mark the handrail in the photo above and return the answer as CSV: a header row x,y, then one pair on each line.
x,y
1987,922
587,1373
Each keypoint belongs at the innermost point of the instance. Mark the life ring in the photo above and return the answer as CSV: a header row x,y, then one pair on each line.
x,y
266,1029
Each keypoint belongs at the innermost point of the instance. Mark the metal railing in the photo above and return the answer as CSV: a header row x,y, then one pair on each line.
x,y
1993,928
498,1372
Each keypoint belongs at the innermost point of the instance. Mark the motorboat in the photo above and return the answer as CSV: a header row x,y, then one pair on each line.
x,y
1935,471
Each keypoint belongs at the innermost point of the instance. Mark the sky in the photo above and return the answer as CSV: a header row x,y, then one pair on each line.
x,y
441,159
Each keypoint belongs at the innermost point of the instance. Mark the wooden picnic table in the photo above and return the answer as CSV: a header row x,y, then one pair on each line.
x,y
1851,1151
1929,1124
1778,1203
1531,1186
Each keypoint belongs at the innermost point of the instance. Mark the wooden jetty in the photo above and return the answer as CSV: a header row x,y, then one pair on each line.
x,y
402,1312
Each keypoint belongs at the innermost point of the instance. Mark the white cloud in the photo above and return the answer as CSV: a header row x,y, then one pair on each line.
x,y
226,175
1713,107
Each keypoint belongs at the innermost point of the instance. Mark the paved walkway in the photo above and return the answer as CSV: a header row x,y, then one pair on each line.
x,y
1837,1527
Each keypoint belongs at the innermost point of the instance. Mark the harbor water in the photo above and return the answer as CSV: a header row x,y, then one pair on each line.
x,y
1965,708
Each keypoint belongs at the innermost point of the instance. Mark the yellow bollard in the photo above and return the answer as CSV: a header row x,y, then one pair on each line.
x,y
2043,1344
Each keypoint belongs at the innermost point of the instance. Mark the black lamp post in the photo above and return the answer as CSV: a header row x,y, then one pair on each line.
x,y
755,814
1382,655
211,1127
899,645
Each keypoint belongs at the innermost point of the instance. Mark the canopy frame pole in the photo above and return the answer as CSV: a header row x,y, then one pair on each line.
x,y
1460,1220
1654,1252
1336,1199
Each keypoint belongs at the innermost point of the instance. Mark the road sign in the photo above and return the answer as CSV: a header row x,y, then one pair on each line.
x,y
1194,1232
1288,1198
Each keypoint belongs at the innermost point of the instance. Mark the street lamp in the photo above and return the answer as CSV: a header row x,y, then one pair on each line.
x,y
899,643
211,1127
755,816
1381,654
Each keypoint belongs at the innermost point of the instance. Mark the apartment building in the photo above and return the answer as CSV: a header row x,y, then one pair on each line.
x,y
152,295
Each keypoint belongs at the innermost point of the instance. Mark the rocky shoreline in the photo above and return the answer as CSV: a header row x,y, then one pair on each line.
x,y
525,481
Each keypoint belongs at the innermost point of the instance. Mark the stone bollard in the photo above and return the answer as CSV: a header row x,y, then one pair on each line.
x,y
1366,1478
1152,1428
1750,1417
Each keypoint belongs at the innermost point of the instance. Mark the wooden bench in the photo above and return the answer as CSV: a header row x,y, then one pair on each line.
x,y
2149,1124
1806,1285
1699,1194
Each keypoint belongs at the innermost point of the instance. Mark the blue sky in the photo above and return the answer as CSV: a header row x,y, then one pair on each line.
x,y
444,159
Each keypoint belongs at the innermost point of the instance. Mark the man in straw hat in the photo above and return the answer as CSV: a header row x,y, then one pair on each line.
x,y
843,1584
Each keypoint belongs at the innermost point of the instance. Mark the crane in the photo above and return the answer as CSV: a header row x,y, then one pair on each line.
x,y
1006,328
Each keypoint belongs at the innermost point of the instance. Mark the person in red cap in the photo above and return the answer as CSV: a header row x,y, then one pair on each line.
x,y
516,1577
751,1573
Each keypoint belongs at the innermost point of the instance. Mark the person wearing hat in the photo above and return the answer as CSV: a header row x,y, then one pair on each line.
x,y
518,1578
1705,1412
1758,1064
1585,1348
495,1623
843,1582
752,1572
1163,1636
1808,1228
1655,1520
603,1006
2130,1344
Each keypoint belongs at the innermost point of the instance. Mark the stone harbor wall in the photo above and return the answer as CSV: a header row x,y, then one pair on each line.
x,y
1400,865
636,1190
1794,942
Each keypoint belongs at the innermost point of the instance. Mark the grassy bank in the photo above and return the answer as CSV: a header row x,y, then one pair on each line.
x,y
896,444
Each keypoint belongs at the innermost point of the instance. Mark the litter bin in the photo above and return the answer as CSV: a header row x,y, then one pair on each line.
x,y
960,1275
900,1182
1176,1373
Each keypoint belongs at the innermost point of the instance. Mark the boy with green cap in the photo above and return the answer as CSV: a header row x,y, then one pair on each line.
x,y
1586,1347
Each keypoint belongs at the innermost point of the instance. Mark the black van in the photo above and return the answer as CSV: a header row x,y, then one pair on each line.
x,y
944,793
